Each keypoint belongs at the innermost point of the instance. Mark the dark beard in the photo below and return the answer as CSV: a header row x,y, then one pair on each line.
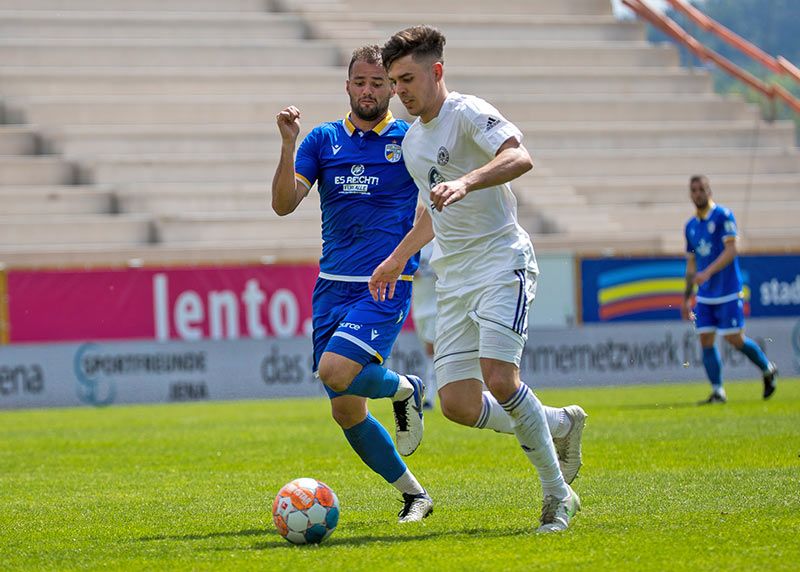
x,y
364,115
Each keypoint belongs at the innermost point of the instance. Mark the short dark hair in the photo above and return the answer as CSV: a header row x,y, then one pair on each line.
x,y
418,41
370,54
702,179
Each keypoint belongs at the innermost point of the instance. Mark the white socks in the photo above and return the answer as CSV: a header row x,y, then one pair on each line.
x,y
408,484
494,417
532,433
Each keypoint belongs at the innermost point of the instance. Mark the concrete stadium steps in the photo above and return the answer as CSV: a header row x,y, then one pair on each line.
x,y
173,81
35,170
52,200
137,5
230,227
155,25
475,7
87,255
601,243
771,241
658,135
558,54
98,140
170,81
87,110
18,140
193,168
252,52
671,218
675,162
20,230
459,25
179,198
675,189
621,81
196,110
558,219
167,52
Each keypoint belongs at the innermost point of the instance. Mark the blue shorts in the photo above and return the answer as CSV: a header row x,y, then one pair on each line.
x,y
348,322
725,318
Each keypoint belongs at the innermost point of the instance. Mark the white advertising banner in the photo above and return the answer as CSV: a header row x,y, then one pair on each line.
x,y
98,374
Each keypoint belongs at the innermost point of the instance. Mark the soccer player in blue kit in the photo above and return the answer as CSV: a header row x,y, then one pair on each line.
x,y
368,202
711,264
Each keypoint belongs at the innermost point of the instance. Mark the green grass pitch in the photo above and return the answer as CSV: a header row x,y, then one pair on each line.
x,y
665,485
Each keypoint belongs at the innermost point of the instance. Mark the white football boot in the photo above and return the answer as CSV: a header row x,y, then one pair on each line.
x,y
408,421
568,447
557,514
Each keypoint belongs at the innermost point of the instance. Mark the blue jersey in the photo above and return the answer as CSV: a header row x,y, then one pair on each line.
x,y
367,197
705,239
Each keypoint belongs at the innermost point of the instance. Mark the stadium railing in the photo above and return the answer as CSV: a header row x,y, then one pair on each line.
x,y
671,28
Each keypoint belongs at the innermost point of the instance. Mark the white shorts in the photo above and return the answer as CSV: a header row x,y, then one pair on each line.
x,y
489,321
423,307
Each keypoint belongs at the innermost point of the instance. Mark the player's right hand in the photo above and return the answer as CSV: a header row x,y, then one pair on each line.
x,y
385,276
289,124
686,310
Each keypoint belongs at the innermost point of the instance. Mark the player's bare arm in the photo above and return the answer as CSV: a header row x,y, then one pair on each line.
x,y
727,256
511,161
287,192
691,270
388,272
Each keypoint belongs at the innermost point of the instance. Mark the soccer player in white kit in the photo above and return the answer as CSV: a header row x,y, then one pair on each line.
x,y
462,153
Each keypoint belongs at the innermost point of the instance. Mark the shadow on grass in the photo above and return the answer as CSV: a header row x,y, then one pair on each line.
x,y
656,406
276,542
272,540
209,535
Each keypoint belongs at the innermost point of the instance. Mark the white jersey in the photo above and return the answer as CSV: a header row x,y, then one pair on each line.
x,y
478,237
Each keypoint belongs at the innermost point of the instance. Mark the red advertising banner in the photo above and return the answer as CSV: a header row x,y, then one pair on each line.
x,y
169,303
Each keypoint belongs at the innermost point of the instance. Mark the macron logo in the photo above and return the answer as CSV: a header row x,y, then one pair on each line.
x,y
336,149
373,334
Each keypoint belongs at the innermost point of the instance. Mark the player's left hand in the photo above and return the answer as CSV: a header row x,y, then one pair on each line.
x,y
447,193
385,276
701,278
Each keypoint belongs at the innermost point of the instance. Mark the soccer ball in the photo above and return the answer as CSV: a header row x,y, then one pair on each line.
x,y
305,511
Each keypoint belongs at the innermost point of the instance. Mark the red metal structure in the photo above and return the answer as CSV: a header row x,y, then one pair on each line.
x,y
778,65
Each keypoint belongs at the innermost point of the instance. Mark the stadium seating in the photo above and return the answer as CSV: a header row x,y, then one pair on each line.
x,y
143,132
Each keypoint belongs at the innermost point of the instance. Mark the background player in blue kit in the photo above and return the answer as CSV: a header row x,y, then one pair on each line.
x,y
368,202
711,264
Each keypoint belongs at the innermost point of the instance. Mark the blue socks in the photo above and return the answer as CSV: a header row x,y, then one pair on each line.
x,y
375,447
374,381
755,354
713,365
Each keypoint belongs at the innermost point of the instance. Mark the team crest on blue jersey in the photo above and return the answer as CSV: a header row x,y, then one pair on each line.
x,y
393,152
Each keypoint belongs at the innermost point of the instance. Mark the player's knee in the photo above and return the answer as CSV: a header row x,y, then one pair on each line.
x,y
333,377
347,418
460,412
501,383
736,340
